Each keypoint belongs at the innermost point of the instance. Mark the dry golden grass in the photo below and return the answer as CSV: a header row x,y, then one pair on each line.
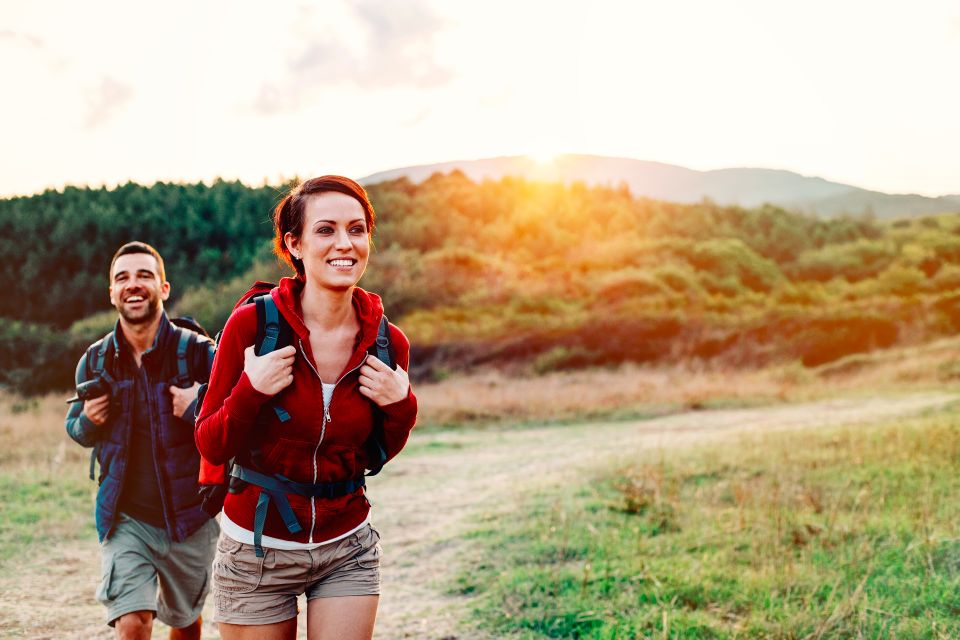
x,y
32,435
32,428
632,390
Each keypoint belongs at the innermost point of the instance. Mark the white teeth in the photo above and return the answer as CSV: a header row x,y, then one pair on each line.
x,y
342,263
135,299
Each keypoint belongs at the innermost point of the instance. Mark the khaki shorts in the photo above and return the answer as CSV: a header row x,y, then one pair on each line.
x,y
144,571
252,590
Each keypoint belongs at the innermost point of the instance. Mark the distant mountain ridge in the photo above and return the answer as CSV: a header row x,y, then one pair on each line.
x,y
744,186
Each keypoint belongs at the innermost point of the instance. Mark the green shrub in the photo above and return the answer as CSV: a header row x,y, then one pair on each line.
x,y
37,358
732,258
854,261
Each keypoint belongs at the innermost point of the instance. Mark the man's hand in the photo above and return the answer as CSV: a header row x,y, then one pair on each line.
x,y
97,410
270,373
183,398
382,384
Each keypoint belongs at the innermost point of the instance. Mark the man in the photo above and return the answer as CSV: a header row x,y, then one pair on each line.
x,y
157,544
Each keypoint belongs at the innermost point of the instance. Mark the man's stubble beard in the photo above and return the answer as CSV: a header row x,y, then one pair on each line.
x,y
149,314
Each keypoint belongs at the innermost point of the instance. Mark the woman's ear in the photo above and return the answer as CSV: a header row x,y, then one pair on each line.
x,y
292,243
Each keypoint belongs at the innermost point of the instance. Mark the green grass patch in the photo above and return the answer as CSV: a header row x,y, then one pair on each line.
x,y
841,533
43,508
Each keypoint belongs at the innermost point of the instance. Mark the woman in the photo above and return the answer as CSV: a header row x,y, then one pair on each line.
x,y
330,390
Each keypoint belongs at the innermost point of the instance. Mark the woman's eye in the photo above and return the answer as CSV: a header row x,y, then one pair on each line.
x,y
325,230
357,229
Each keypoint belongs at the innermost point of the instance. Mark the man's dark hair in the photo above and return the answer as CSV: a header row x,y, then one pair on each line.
x,y
139,247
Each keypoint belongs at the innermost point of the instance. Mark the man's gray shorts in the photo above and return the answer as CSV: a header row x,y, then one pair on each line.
x,y
137,558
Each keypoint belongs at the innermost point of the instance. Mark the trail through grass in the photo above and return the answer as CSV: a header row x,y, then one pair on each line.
x,y
425,504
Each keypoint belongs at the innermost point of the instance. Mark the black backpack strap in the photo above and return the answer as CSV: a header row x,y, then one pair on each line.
x,y
376,444
384,347
268,324
184,339
93,459
273,332
97,358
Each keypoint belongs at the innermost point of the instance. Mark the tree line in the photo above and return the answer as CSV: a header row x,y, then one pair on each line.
x,y
501,273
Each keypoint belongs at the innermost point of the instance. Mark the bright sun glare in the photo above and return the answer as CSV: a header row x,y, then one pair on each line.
x,y
542,157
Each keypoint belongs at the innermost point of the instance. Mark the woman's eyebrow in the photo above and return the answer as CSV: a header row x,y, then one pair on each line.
x,y
334,222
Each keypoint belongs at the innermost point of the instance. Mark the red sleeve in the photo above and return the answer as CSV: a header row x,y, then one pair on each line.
x,y
400,416
231,404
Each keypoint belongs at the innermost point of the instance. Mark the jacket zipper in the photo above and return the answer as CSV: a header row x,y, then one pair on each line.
x,y
323,429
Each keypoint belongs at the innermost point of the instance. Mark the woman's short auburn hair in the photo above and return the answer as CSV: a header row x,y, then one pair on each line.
x,y
288,216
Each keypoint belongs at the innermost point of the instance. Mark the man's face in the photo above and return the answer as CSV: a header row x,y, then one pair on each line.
x,y
135,288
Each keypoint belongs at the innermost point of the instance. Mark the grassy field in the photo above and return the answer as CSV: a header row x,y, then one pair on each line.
x,y
44,490
846,533
43,474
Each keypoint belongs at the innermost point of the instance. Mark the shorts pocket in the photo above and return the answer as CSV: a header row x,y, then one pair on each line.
x,y
227,545
370,551
198,601
236,567
371,559
106,592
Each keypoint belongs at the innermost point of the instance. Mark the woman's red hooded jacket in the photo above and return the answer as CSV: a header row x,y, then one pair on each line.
x,y
303,449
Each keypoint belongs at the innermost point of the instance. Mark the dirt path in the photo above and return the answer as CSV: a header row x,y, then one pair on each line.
x,y
428,497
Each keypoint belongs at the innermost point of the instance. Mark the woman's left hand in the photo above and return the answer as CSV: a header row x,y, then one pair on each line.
x,y
382,384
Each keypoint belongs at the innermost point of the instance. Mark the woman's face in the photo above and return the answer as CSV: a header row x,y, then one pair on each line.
x,y
334,244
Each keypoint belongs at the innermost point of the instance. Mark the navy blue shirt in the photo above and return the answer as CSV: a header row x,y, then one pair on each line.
x,y
140,497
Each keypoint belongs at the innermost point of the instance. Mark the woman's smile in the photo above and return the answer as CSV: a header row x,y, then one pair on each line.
x,y
342,264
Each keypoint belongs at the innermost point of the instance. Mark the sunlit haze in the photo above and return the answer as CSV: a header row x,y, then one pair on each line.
x,y
100,93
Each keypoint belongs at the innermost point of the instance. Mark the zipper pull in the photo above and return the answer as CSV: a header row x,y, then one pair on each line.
x,y
326,414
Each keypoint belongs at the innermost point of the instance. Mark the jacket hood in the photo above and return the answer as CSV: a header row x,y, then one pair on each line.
x,y
368,307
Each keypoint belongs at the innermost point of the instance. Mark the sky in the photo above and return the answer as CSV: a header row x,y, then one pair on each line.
x,y
99,93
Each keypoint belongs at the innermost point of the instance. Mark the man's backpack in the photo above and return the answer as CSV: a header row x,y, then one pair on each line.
x,y
273,333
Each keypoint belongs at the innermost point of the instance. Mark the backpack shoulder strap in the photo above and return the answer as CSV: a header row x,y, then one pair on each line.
x,y
273,332
383,348
376,444
186,340
97,356
98,352
268,324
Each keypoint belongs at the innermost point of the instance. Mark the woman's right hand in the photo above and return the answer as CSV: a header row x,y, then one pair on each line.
x,y
270,373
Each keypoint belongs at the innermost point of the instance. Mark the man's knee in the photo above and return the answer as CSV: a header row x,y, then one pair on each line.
x,y
190,632
135,625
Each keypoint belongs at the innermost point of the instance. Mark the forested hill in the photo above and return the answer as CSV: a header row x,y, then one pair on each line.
x,y
508,273
749,187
